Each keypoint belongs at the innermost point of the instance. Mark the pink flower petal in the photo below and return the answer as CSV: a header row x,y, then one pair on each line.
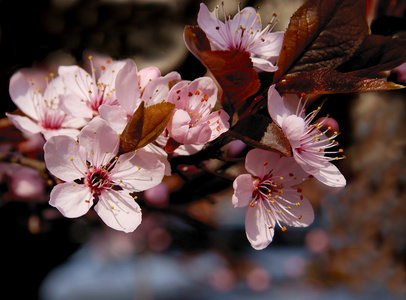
x,y
272,47
64,158
127,91
331,176
74,106
146,75
293,127
297,211
243,188
63,131
138,171
258,232
263,64
208,24
178,95
279,108
71,199
100,141
109,75
204,86
178,126
260,162
291,172
115,116
198,135
161,155
24,124
119,210
76,80
218,122
21,93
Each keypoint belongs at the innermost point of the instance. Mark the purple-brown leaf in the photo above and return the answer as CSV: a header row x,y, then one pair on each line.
x,y
376,54
260,132
326,81
232,69
146,124
321,35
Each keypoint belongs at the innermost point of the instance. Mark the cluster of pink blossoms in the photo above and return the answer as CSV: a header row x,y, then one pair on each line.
x,y
82,115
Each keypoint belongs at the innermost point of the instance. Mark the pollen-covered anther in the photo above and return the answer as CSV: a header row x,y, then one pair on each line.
x,y
284,228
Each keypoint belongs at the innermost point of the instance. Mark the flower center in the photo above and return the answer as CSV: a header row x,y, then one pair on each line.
x,y
98,179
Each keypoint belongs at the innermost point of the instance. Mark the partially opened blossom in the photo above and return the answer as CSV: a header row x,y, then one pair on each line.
x,y
132,88
93,173
41,107
270,191
243,32
194,122
88,93
310,146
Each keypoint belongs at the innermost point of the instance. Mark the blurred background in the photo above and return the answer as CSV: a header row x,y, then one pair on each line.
x,y
355,249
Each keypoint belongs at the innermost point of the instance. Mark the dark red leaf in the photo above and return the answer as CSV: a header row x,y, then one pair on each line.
x,y
326,81
146,124
131,135
156,118
232,69
321,35
376,54
260,132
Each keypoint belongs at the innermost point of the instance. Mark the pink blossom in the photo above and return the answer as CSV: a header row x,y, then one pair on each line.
x,y
94,173
42,109
150,87
194,122
243,32
309,144
131,88
88,93
271,195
